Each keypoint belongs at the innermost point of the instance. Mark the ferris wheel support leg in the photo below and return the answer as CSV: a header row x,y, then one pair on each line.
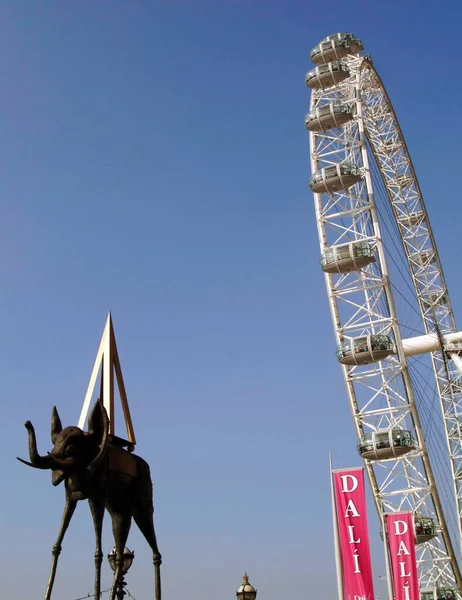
x,y
429,343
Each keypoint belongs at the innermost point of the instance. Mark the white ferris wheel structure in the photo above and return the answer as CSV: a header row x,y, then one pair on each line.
x,y
379,258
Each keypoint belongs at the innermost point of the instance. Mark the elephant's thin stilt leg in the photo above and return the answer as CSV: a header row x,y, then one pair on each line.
x,y
67,516
121,521
97,512
144,518
158,588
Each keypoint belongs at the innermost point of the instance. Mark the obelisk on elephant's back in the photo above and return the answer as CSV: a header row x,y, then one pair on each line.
x,y
99,466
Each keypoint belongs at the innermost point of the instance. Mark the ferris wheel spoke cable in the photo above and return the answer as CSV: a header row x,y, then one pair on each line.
x,y
428,405
358,153
383,208
397,245
439,461
395,239
405,326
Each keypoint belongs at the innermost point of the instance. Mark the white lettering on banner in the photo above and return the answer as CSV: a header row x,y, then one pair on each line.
x,y
398,529
351,535
351,507
402,569
406,592
356,561
402,556
402,549
345,485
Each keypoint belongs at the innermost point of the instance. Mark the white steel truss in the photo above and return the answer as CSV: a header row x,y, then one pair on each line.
x,y
380,393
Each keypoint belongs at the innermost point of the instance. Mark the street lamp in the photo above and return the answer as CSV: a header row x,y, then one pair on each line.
x,y
246,591
128,557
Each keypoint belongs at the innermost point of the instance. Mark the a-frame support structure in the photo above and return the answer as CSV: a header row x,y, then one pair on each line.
x,y
107,362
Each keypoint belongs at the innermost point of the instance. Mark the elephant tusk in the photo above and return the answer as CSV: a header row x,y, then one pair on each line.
x,y
29,464
62,462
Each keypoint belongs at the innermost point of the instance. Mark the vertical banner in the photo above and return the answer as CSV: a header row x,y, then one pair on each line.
x,y
401,548
353,537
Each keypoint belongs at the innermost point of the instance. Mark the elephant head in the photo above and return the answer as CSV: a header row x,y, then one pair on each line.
x,y
73,449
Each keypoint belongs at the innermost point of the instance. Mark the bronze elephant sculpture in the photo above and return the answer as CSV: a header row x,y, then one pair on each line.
x,y
95,468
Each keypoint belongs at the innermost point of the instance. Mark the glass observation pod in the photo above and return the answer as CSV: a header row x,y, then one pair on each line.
x,y
382,106
425,529
436,298
334,178
386,443
412,219
391,146
405,180
424,258
379,111
347,257
373,82
456,388
370,80
328,75
438,594
334,47
365,349
328,116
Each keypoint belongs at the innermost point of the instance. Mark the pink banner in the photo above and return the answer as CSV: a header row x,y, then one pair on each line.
x,y
353,538
401,547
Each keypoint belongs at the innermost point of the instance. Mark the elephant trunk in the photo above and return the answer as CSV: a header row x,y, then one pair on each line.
x,y
43,462
37,461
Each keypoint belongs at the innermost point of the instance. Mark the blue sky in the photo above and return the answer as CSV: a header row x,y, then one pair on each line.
x,y
154,163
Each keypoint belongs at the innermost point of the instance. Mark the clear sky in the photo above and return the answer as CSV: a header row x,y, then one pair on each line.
x,y
154,163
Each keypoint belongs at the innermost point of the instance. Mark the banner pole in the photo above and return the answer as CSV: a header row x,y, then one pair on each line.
x,y
338,561
387,557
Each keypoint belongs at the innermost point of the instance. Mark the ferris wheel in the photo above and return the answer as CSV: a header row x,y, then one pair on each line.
x,y
358,157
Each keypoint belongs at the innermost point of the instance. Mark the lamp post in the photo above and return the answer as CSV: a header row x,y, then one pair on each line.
x,y
246,591
128,559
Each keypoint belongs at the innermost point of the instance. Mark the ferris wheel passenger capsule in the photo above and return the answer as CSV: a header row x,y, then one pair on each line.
x,y
365,349
327,75
425,529
328,116
386,444
372,81
379,111
412,219
424,258
405,180
392,146
436,298
441,594
334,47
347,257
335,178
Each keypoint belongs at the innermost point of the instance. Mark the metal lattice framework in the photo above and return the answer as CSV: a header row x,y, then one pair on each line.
x,y
351,123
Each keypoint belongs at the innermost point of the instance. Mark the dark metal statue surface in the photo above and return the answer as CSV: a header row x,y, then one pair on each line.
x,y
94,468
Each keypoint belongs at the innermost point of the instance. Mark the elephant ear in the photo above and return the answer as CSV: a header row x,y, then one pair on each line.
x,y
98,429
56,425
